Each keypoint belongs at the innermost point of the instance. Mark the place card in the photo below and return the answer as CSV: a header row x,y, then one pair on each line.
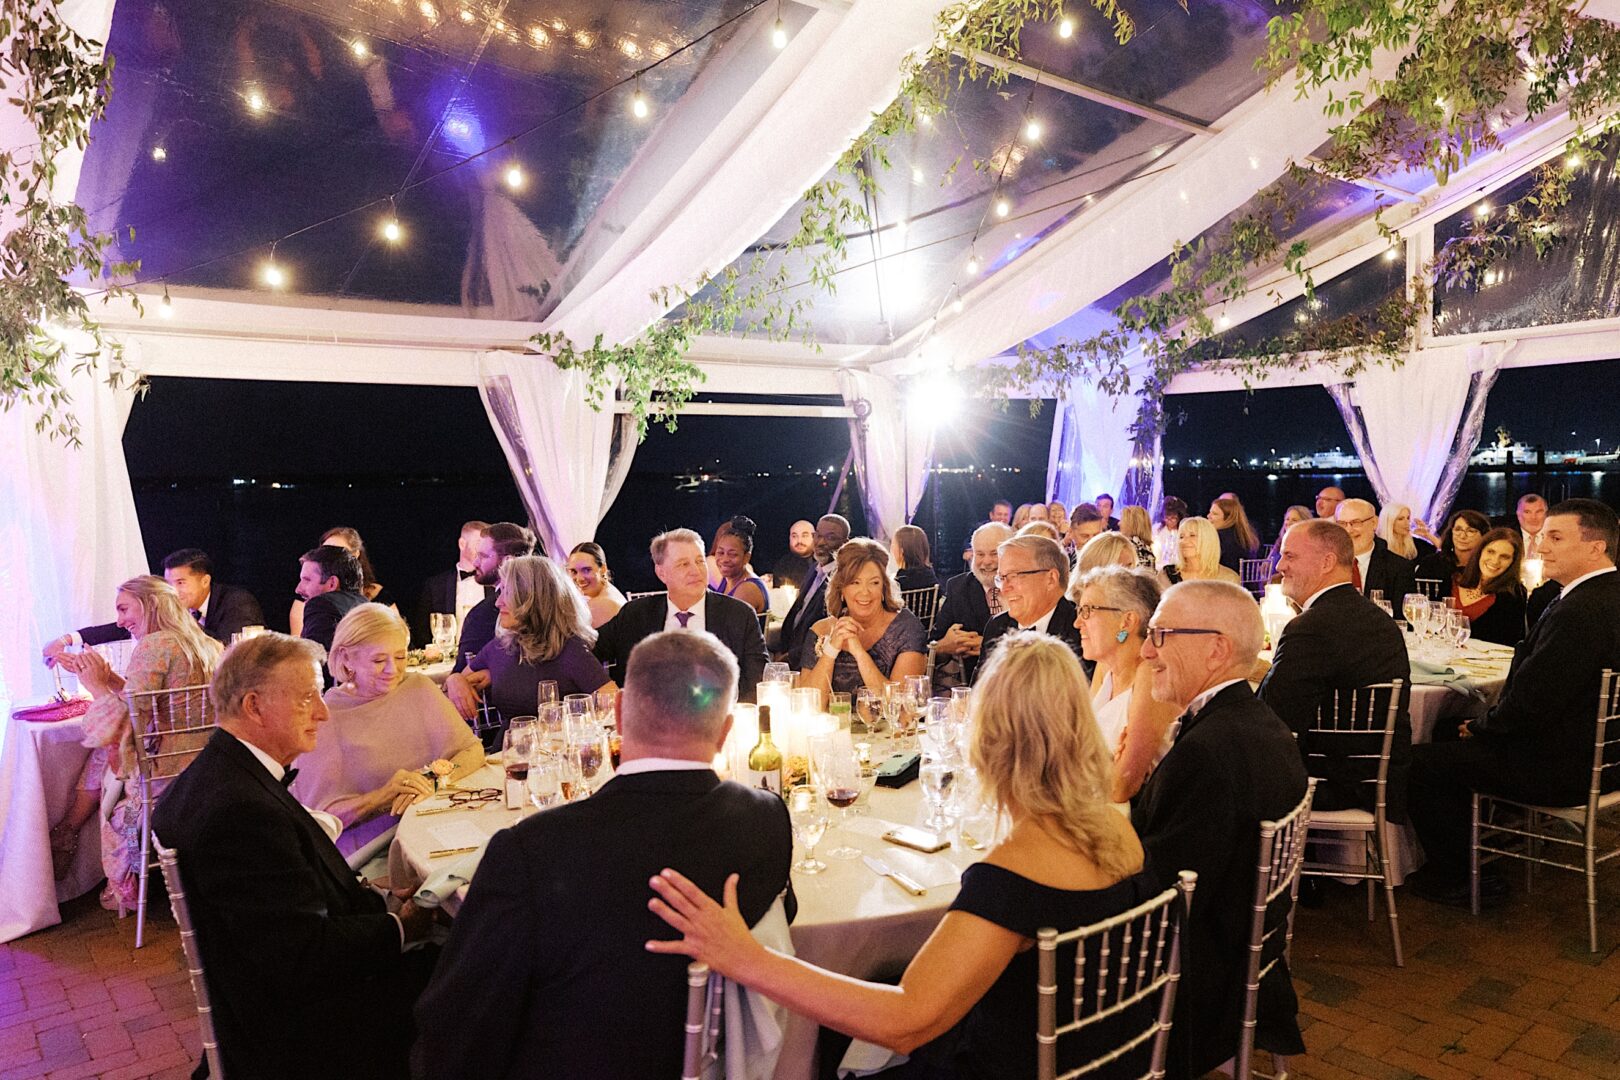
x,y
929,871
457,834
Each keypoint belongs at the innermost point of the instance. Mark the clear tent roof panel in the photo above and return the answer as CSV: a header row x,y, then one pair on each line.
x,y
234,122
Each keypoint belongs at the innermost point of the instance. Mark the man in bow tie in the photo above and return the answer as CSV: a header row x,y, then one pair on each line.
x,y
454,591
305,966
1233,765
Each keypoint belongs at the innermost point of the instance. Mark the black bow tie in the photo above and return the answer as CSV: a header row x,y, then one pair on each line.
x,y
287,777
465,574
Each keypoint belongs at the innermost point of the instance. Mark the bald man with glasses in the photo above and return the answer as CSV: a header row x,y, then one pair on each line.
x,y
1374,568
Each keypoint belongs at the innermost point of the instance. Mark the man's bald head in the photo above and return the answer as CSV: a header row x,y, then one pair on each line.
x,y
1230,636
1328,500
1360,519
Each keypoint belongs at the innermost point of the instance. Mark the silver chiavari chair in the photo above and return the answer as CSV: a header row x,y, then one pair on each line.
x,y
1136,956
1358,726
168,860
1431,588
922,603
704,1006
1254,573
169,728
1551,824
1276,887
639,595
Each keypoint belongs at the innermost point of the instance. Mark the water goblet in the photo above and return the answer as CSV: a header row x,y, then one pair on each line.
x,y
545,780
938,778
807,813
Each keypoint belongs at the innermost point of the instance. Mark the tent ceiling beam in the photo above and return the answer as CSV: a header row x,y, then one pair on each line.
x,y
1091,93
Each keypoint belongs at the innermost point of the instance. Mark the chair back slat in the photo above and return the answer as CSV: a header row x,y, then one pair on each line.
x,y
169,728
1357,724
1431,588
638,595
1145,944
922,602
1254,573
1606,738
1276,885
697,1021
168,860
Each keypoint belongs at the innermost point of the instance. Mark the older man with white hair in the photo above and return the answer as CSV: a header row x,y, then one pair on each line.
x,y
1233,765
966,605
1033,575
1374,568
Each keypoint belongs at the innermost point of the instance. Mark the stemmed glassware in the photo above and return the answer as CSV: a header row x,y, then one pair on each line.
x,y
838,772
808,815
552,734
545,780
443,626
517,747
547,693
1461,627
938,775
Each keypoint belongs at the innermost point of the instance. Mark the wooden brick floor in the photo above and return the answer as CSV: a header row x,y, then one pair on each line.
x,y
1511,994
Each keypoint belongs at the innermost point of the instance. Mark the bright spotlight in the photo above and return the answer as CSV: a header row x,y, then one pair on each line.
x,y
935,400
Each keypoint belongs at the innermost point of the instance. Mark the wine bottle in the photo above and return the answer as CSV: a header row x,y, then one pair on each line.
x,y
765,760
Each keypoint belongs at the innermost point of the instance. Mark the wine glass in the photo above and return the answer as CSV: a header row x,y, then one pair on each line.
x,y
517,747
545,780
838,770
590,750
1411,605
579,707
551,729
938,778
1462,628
868,709
547,692
443,626
863,803
808,815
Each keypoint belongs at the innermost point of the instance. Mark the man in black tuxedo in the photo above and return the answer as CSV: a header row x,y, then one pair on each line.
x,y
810,606
1232,766
1535,744
689,604
1338,641
1373,568
454,591
329,585
1105,507
305,969
497,543
966,605
220,609
548,953
1033,574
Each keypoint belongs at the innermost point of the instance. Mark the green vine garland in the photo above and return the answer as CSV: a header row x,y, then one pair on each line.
x,y
50,74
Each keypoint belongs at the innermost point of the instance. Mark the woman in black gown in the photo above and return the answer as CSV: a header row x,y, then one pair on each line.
x,y
1489,590
965,1006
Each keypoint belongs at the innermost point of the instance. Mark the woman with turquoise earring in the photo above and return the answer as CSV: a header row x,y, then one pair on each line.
x,y
1113,606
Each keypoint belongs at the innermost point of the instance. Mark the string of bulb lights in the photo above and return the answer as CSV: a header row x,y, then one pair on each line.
x,y
275,275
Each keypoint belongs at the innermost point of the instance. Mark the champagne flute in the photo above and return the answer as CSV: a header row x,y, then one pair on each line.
x,y
808,816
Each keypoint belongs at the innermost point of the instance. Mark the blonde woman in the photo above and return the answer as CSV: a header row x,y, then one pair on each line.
x,y
1021,516
1068,860
548,637
1113,606
387,725
1058,515
868,637
1402,532
1200,547
171,651
1137,527
1041,528
1105,549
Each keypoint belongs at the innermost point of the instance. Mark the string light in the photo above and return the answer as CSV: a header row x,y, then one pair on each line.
x,y
513,176
900,228
538,35
956,305
391,230
1391,254
1225,320
255,101
973,263
779,34
1482,210
916,174
272,273
466,16
360,49
159,154
638,102
166,306
1032,130
1573,161
1003,208
1066,28
428,10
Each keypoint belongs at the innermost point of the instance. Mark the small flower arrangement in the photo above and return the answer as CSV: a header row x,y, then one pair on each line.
x,y
438,770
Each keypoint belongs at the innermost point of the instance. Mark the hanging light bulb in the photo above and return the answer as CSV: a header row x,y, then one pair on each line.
x,y
956,305
779,34
900,228
1032,130
1482,210
973,264
272,273
166,306
638,103
1392,253
1066,28
1573,161
159,154
1003,208
391,230
916,174
513,176
1225,320
360,49
256,102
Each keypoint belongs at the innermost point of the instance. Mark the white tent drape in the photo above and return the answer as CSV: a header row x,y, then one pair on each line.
x,y
1094,452
68,531
568,460
893,451
1415,426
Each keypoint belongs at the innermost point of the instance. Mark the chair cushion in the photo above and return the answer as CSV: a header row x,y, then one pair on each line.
x,y
1342,819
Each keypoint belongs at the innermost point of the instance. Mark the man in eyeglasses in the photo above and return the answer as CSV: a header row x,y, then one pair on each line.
x,y
1032,573
1374,568
1232,766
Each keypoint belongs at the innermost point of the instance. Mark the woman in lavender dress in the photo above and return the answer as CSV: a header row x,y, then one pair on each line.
x,y
868,637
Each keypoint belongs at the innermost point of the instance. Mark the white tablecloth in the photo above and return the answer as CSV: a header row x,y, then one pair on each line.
x,y
849,919
39,771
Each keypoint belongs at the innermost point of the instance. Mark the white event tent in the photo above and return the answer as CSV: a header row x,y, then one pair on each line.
x,y
1145,145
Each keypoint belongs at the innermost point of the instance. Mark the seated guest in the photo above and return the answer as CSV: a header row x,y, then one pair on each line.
x,y
1464,530
1328,500
550,945
1021,516
1233,765
221,610
1001,512
1135,526
1105,506
1032,573
689,604
1375,568
716,578
547,636
1529,517
1338,641
868,638
1535,744
1112,608
344,537
1167,537
499,542
966,1006
914,565
1041,528
811,603
1404,534
587,565
1105,549
306,973
171,651
1490,590
454,591
1237,537
1058,515
1200,554
1085,521
966,606
732,550
329,584
387,726
795,566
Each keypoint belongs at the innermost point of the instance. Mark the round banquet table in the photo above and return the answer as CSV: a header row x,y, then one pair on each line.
x,y
850,920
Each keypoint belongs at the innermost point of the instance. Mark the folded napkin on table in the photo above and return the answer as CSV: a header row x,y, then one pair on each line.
x,y
443,882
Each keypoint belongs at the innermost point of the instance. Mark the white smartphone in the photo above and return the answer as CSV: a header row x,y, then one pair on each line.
x,y
916,839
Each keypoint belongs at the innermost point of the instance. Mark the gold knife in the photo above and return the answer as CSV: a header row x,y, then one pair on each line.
x,y
882,869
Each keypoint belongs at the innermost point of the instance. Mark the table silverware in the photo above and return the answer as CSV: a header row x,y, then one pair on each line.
x,y
881,868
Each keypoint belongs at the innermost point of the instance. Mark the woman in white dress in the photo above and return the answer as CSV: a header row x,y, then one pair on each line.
x,y
1114,604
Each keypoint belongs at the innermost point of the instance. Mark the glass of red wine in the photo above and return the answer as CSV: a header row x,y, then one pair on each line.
x,y
838,772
